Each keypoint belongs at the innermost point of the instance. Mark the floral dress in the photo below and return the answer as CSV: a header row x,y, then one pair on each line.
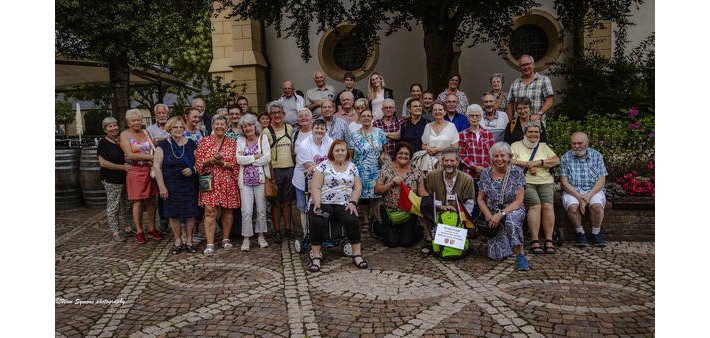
x,y
224,181
511,234
368,149
414,177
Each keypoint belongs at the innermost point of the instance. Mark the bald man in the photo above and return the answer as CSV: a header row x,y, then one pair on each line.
x,y
291,102
320,92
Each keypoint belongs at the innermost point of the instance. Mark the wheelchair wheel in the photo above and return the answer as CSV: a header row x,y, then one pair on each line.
x,y
347,249
298,245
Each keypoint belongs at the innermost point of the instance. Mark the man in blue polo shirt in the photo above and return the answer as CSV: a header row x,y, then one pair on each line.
x,y
454,116
582,176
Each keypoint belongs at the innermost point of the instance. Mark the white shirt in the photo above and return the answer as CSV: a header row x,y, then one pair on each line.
x,y
447,138
291,106
308,151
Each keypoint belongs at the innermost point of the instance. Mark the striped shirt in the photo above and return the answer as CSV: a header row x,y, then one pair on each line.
x,y
475,149
536,91
583,173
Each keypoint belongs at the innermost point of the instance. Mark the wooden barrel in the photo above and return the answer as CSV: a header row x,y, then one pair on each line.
x,y
91,187
67,191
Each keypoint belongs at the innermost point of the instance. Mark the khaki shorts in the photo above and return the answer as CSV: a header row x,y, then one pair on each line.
x,y
539,193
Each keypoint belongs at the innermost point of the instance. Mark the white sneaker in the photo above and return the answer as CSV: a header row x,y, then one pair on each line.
x,y
209,250
263,243
245,244
226,244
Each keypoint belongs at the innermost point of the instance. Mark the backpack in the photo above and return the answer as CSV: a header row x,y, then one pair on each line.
x,y
289,134
450,218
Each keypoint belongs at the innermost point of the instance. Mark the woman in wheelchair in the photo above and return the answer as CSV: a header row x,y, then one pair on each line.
x,y
335,190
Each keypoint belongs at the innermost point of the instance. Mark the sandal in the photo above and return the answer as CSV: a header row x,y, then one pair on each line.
x,y
178,249
365,227
537,249
190,248
426,248
362,264
313,267
550,249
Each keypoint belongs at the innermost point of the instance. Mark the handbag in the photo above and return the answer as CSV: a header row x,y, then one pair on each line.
x,y
270,189
205,181
482,227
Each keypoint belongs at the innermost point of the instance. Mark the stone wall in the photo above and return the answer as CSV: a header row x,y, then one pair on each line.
x,y
621,223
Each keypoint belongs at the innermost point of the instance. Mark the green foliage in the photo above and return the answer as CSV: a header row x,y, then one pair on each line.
x,y
218,94
63,112
602,86
92,121
626,141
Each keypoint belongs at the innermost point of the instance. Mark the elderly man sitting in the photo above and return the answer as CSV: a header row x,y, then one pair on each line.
x,y
583,175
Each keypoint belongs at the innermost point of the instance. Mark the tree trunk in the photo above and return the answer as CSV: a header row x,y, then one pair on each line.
x,y
578,37
119,72
439,49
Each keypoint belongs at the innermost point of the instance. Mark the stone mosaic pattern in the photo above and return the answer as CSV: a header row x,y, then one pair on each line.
x,y
106,289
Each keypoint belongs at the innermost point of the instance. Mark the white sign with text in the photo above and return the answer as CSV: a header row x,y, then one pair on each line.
x,y
453,237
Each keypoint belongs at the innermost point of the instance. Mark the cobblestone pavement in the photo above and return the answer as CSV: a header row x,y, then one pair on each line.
x,y
104,289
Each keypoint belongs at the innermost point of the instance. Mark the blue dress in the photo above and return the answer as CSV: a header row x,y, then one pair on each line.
x,y
511,234
367,153
182,191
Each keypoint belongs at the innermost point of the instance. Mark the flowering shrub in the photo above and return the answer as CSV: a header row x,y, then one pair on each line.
x,y
626,140
636,185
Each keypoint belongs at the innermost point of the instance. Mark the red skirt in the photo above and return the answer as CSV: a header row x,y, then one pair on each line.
x,y
139,184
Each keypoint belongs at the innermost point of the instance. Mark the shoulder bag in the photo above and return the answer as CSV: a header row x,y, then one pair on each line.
x,y
205,181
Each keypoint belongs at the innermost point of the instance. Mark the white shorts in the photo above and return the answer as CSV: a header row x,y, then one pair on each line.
x,y
569,200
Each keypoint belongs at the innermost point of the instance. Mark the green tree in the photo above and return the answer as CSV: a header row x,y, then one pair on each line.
x,y
444,22
125,33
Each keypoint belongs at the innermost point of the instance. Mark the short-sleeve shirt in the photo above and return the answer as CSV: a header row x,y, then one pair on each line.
x,y
282,151
337,187
113,153
196,136
157,133
537,90
412,180
583,173
447,138
291,106
522,153
319,94
394,126
496,126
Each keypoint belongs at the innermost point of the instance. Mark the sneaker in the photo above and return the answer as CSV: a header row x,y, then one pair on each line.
x,y
599,240
263,243
226,244
118,236
245,244
581,240
209,250
140,238
522,263
155,234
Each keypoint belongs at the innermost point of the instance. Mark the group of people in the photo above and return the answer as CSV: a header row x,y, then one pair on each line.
x,y
341,154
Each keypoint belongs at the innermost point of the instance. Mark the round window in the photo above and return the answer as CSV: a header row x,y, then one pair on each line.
x,y
538,34
340,51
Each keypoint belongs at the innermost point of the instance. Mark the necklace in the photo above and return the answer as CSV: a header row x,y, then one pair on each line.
x,y
173,150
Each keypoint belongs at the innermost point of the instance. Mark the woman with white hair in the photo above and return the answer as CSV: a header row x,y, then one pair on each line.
x,y
475,143
501,189
138,148
113,176
253,156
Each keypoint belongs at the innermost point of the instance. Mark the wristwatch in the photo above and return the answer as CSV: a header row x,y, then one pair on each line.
x,y
503,212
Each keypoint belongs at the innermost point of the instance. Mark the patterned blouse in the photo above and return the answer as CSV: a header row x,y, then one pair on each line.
x,y
337,187
491,187
387,174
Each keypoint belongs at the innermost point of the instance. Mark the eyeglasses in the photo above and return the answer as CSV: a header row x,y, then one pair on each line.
x,y
475,115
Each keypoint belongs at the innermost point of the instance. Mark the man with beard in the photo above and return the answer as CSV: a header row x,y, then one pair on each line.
x,y
493,120
582,176
445,184
428,105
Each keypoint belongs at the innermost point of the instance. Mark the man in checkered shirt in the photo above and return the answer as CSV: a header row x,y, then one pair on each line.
x,y
582,176
535,86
